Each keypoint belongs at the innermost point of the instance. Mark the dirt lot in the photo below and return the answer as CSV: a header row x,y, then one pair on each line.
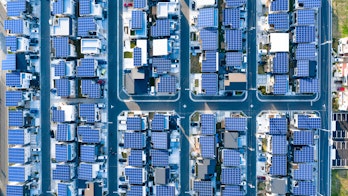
x,y
339,182
339,20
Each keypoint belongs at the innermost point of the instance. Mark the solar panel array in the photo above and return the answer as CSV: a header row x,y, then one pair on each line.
x,y
231,18
235,3
305,52
279,144
280,21
167,84
305,34
234,59
85,7
16,137
88,153
13,79
87,112
161,65
305,122
137,19
208,124
85,171
157,123
231,175
309,85
60,69
165,190
209,39
63,189
16,174
15,190
62,152
14,26
280,84
304,172
304,154
280,5
235,124
303,137
233,39
61,47
305,188
279,165
135,191
88,135
159,158
305,17
9,63
62,132
136,158
206,17
58,7
137,57
13,98
209,64
135,175
302,68
203,188
134,140
232,190
134,123
11,43
58,116
281,63
139,3
86,25
63,87
231,158
16,155
278,126
161,29
207,146
210,84
310,3
160,140
15,118
90,89
62,172
16,8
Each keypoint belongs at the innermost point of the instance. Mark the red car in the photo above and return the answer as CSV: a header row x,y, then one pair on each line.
x,y
128,4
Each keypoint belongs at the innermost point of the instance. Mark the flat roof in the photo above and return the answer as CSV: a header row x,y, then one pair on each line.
x,y
160,47
278,43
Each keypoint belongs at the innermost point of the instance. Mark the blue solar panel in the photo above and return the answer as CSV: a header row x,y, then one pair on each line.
x,y
13,79
14,26
232,18
15,118
203,188
58,7
15,190
281,63
231,176
159,158
305,52
88,153
279,144
209,84
157,123
88,135
135,175
60,69
62,152
279,21
9,63
137,57
302,68
62,172
161,65
85,172
310,3
167,84
87,112
136,158
85,7
61,47
235,124
303,138
304,34
231,158
208,124
134,123
280,5
308,85
280,84
279,165
135,191
161,29
305,122
234,59
233,39
62,133
160,140
16,8
304,172
304,154
16,155
134,140
137,19
63,189
209,63
13,98
139,3
207,146
86,25
16,174
232,190
278,126
63,87
207,17
58,115
305,17
11,43
165,190
235,3
16,137
90,89
209,39
304,188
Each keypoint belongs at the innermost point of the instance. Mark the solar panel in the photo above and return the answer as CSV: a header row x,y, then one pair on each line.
x,y
63,87
278,126
161,29
15,118
135,175
61,47
233,39
58,115
85,7
134,123
232,190
90,89
157,123
165,190
280,5
209,84
85,25
62,153
304,154
207,17
63,189
139,3
308,85
9,63
304,34
161,65
279,144
11,43
304,172
88,135
231,158
235,3
281,63
305,52
16,174
303,138
209,39
137,57
304,188
60,69
14,26
209,63
15,190
303,68
279,21
58,7
208,124
85,172
159,158
88,153
167,84
305,17
62,172
137,19
279,165
305,122
87,112
231,176
16,8
234,59
280,84
16,155
160,140
13,79
135,191
16,137
207,144
203,188
231,18
136,158
310,3
62,132
235,124
134,140
13,98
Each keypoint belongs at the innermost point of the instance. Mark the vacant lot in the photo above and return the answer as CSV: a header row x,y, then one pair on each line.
x,y
339,20
339,182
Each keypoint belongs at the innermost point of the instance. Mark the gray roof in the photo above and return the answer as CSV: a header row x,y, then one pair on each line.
x,y
231,139
207,169
161,175
279,186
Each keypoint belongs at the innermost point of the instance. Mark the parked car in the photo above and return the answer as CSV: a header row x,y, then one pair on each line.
x,y
128,4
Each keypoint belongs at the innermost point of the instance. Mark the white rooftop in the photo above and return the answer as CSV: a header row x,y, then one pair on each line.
x,y
142,43
165,8
160,47
61,26
90,46
204,3
279,42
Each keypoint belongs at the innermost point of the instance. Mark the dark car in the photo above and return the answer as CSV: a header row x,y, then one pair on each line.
x,y
194,124
122,160
123,186
52,133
